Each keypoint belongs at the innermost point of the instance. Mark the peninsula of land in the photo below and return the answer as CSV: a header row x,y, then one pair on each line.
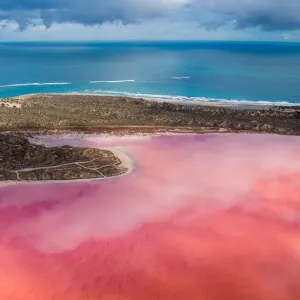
x,y
104,114
21,160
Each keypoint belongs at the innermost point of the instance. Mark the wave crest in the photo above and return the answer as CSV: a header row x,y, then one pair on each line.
x,y
180,77
33,84
112,81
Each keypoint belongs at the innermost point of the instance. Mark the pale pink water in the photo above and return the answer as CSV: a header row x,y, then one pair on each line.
x,y
198,217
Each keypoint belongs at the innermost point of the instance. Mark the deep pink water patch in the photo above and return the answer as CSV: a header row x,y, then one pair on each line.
x,y
198,217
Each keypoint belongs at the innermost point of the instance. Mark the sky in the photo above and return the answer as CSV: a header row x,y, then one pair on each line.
x,y
266,20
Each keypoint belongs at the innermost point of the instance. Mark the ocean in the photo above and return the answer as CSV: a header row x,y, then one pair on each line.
x,y
237,72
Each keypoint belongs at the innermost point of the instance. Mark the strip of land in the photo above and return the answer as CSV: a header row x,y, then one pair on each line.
x,y
101,114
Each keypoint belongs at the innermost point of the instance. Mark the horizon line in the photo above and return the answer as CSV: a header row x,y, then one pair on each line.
x,y
150,41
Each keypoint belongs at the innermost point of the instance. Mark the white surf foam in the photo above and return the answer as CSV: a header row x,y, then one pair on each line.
x,y
193,99
180,78
112,81
33,84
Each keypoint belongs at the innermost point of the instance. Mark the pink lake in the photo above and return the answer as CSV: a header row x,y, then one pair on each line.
x,y
197,217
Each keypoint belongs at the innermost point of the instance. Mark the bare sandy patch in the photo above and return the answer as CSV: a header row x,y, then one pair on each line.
x,y
10,104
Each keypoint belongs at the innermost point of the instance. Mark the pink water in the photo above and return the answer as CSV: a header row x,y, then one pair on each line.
x,y
198,217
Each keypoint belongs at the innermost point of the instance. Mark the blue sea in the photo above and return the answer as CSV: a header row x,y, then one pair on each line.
x,y
237,72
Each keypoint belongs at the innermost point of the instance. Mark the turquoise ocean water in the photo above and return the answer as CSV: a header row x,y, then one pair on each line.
x,y
208,71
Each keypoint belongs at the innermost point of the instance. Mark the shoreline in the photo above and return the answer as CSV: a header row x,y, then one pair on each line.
x,y
236,105
129,131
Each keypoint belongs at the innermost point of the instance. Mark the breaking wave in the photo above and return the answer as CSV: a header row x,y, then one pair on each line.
x,y
180,78
112,81
33,84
